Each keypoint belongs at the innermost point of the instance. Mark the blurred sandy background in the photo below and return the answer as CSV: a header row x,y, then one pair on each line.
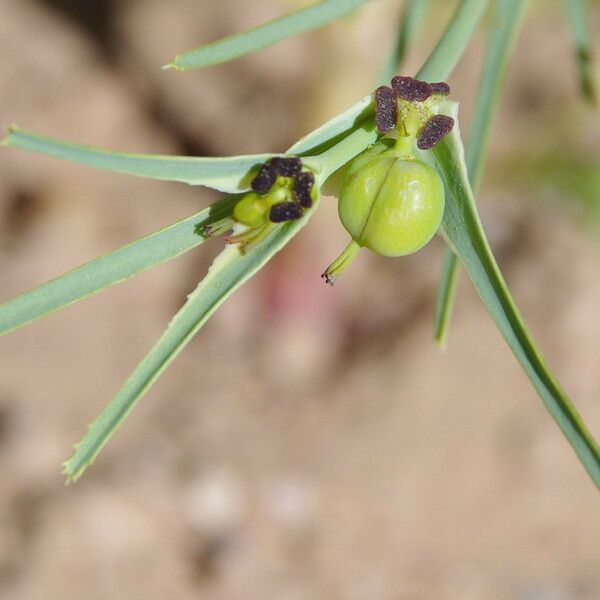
x,y
310,443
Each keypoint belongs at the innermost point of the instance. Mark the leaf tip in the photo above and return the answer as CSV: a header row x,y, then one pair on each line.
x,y
73,467
173,65
440,342
6,132
71,475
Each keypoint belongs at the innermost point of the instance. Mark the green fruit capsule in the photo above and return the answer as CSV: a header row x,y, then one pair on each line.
x,y
390,202
392,206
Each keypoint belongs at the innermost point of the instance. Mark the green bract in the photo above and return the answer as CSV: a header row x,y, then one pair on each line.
x,y
391,205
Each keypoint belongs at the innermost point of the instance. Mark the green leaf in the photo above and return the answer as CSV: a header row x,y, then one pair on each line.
x,y
506,22
578,20
111,268
229,270
446,297
462,229
227,174
264,35
410,23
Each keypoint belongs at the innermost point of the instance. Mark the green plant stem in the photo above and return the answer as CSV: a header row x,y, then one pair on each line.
x,y
506,22
228,174
410,23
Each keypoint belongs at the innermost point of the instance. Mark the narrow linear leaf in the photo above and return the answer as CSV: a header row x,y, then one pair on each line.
x,y
506,23
111,268
449,49
410,23
264,35
462,229
227,174
229,270
446,297
578,20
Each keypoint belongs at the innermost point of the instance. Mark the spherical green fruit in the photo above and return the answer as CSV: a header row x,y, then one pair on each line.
x,y
392,203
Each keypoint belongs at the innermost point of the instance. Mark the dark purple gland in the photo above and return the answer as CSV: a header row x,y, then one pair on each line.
x,y
286,166
265,179
410,89
440,88
434,130
285,211
386,109
303,186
